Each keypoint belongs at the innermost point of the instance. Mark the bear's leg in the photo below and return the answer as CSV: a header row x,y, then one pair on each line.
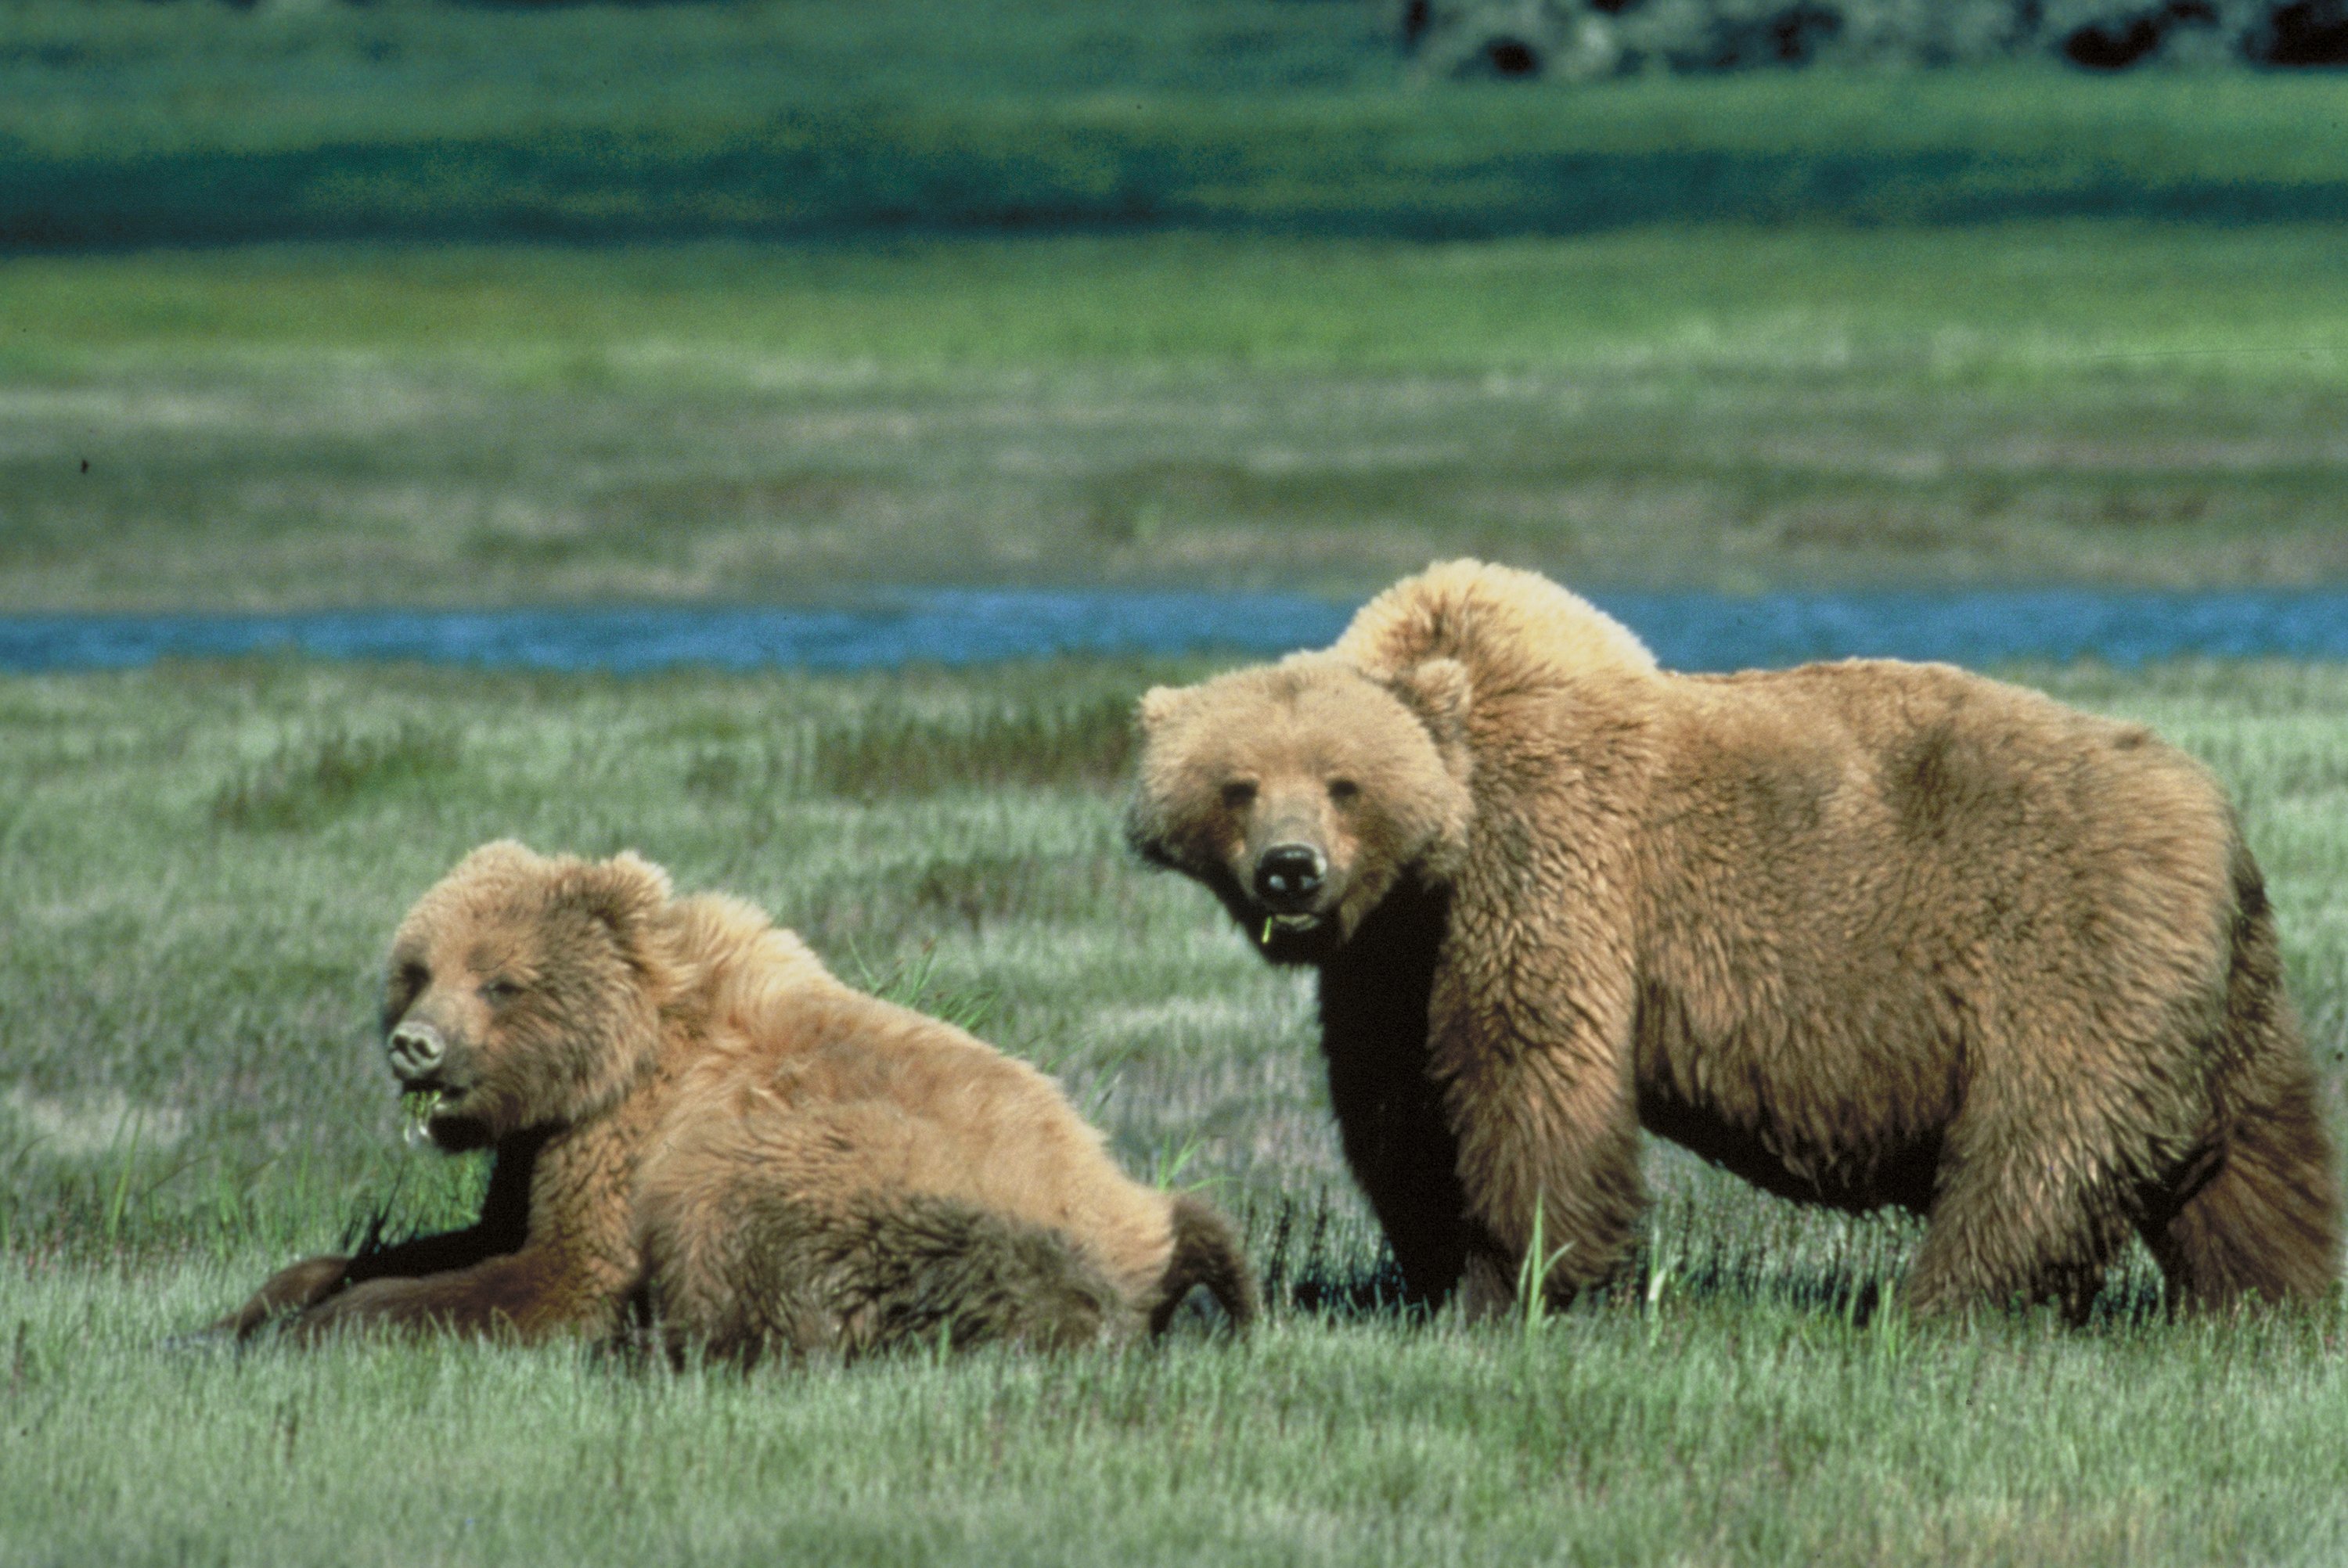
x,y
503,1226
2024,1215
289,1289
2261,1212
911,1269
1406,1163
524,1295
1390,1111
734,1278
1206,1254
749,1273
731,1265
1544,1151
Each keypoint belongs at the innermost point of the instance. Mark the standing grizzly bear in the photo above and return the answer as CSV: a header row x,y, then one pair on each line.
x,y
688,1111
1865,934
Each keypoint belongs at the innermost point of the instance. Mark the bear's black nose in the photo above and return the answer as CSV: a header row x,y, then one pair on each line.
x,y
416,1049
1287,875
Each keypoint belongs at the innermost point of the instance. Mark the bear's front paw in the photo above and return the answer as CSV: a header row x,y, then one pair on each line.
x,y
375,1304
289,1289
1486,1292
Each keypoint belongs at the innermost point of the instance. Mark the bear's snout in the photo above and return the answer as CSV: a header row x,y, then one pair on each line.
x,y
416,1051
1288,877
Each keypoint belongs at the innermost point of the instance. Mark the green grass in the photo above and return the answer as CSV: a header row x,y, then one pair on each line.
x,y
1715,1432
192,1094
1802,330
312,777
273,426
120,124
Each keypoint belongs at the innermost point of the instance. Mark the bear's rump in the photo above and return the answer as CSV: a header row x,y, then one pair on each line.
x,y
1017,1154
756,1268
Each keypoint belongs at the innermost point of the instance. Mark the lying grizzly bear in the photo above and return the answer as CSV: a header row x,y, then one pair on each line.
x,y
689,1113
1865,934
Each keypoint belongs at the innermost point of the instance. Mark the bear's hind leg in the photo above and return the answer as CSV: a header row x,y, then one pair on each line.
x,y
2018,1222
739,1268
2261,1212
909,1270
2262,1215
734,1292
1206,1254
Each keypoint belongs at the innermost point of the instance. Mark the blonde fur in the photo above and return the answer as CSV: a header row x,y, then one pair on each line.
x,y
1867,934
689,1110
1510,628
803,1085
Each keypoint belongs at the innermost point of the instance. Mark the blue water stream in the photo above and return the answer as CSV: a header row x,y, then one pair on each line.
x,y
1687,631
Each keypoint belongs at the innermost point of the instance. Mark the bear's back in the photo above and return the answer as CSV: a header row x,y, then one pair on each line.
x,y
1946,760
1510,628
1878,843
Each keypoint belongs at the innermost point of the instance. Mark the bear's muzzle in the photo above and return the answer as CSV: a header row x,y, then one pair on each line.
x,y
416,1051
1288,877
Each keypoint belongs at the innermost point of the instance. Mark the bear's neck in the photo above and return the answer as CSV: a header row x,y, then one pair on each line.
x,y
583,1180
1410,919
1375,990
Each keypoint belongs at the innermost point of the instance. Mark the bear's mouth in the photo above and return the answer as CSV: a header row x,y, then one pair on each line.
x,y
439,1113
456,1125
447,1104
416,1109
1301,937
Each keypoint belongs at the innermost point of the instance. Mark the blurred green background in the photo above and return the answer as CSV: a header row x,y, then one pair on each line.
x,y
414,303
123,123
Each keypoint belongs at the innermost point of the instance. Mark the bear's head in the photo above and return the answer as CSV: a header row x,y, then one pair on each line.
x,y
524,993
1303,793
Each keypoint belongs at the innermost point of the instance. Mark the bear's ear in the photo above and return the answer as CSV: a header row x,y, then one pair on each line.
x,y
1159,705
1440,691
623,892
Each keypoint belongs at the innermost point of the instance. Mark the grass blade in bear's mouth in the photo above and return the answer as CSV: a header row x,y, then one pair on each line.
x,y
1276,926
416,1109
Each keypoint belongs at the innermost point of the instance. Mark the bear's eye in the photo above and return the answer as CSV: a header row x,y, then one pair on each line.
x,y
1239,793
498,992
1342,790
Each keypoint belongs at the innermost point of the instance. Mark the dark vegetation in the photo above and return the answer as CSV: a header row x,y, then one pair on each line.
x,y
125,124
891,750
1593,38
308,779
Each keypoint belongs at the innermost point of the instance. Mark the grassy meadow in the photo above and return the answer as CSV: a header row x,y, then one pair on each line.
x,y
444,305
1702,406
205,860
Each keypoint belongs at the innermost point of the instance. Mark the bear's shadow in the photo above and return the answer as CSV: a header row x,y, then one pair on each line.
x,y
1316,1259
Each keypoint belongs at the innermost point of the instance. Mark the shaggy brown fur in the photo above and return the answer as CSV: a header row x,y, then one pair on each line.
x,y
688,1109
1866,934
